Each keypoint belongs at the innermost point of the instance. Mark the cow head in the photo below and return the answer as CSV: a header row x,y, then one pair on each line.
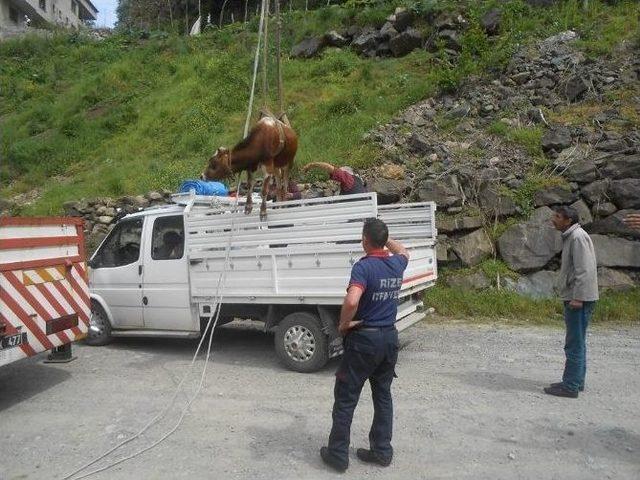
x,y
219,165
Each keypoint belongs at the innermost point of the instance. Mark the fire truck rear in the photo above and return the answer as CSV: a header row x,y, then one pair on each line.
x,y
44,298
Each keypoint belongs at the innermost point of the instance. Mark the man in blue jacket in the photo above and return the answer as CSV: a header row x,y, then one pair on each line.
x,y
367,322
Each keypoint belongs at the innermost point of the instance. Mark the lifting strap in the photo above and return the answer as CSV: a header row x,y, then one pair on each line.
x,y
265,112
282,116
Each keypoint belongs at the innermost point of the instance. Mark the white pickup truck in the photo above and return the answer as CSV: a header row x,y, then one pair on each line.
x,y
162,271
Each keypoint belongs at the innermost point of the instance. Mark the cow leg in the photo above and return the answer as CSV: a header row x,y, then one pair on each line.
x,y
265,191
248,207
285,180
278,179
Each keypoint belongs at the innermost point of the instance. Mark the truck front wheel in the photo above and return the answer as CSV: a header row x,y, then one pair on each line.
x,y
300,342
99,326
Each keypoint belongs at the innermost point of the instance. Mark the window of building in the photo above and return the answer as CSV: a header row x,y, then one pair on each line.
x,y
168,238
14,15
43,5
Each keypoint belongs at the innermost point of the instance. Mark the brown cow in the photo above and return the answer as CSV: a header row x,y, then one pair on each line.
x,y
271,145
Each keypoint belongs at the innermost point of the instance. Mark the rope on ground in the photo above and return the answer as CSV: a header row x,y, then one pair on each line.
x,y
218,304
219,296
216,313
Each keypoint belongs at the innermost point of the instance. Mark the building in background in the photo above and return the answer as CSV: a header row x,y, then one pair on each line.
x,y
16,15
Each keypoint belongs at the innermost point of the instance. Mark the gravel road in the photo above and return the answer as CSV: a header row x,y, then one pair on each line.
x,y
469,405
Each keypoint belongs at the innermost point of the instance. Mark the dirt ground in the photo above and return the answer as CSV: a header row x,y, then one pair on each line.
x,y
469,405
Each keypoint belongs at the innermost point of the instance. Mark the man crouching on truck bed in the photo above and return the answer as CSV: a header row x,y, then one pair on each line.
x,y
367,322
350,183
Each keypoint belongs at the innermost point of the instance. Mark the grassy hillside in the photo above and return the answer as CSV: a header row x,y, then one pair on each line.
x,y
81,118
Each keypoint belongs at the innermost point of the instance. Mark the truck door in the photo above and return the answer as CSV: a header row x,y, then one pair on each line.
x,y
166,280
117,273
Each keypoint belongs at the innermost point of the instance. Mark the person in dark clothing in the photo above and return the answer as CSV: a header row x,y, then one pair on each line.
x,y
172,246
350,183
367,322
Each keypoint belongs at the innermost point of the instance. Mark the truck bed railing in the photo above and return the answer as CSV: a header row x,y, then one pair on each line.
x,y
304,250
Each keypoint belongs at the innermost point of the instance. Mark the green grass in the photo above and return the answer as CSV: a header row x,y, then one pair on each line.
x,y
492,269
497,229
533,183
529,138
496,269
124,116
613,307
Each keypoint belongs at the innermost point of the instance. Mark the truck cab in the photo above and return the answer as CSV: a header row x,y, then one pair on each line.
x,y
139,276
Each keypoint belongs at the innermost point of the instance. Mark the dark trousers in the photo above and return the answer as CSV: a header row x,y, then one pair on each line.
x,y
368,354
575,346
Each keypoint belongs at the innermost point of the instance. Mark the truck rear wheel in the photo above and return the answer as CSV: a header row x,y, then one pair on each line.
x,y
300,342
99,327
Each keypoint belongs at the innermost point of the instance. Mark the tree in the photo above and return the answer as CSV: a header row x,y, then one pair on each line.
x,y
165,14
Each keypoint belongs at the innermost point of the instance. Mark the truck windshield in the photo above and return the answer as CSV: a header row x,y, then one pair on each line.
x,y
122,246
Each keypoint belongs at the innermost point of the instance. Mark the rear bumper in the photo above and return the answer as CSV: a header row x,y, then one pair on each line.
x,y
409,321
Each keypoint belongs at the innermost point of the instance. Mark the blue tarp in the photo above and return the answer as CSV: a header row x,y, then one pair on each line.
x,y
202,187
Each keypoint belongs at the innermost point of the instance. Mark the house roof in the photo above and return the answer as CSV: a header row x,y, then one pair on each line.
x,y
93,7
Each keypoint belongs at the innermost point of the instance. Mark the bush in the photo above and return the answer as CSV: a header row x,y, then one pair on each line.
x,y
344,105
449,80
338,64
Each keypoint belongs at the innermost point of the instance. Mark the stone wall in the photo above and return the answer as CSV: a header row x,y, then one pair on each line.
x,y
495,196
101,214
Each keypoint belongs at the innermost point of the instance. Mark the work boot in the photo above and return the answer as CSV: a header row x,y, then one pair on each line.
x,y
559,384
560,391
370,456
332,461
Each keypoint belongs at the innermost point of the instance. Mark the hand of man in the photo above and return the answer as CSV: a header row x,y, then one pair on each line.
x,y
344,329
575,304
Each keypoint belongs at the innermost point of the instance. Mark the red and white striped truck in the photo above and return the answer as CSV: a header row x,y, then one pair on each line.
x,y
44,295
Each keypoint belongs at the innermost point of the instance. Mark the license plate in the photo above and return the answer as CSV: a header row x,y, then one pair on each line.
x,y
12,341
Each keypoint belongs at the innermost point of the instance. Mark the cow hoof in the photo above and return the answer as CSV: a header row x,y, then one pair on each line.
x,y
248,208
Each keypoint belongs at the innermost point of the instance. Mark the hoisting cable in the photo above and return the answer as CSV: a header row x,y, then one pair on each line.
x,y
282,116
265,56
256,61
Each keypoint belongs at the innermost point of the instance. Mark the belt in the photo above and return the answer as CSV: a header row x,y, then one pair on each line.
x,y
375,329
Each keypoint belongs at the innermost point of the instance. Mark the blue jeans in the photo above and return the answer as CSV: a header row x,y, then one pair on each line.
x,y
372,355
575,345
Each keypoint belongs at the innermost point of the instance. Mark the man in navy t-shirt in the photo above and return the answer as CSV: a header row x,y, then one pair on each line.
x,y
367,323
